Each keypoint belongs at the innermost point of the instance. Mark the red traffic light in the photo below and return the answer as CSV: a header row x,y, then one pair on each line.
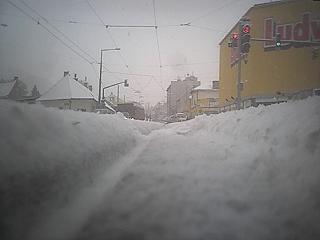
x,y
246,29
235,36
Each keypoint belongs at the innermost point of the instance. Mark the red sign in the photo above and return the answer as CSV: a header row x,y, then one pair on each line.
x,y
304,30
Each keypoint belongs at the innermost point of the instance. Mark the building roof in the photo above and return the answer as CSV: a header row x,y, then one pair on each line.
x,y
67,88
203,87
6,88
267,4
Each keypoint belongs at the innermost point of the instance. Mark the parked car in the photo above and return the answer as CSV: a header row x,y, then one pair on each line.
x,y
181,117
178,117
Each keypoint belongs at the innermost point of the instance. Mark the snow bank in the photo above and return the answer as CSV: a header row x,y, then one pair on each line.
x,y
47,155
242,175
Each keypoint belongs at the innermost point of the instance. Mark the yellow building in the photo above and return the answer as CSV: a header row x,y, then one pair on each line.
x,y
271,71
204,101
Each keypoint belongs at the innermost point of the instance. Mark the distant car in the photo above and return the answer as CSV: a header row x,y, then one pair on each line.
x,y
178,117
181,117
171,119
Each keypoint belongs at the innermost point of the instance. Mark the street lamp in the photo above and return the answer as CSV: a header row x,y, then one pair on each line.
x,y
101,51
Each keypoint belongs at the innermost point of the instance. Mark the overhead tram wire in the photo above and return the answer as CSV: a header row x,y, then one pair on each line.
x,y
158,45
69,39
48,30
59,39
58,30
213,10
110,35
156,31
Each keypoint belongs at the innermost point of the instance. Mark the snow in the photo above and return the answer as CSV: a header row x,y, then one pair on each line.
x,y
203,87
67,88
248,174
5,88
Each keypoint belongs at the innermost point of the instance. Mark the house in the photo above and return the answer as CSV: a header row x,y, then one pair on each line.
x,y
6,89
204,100
69,93
13,89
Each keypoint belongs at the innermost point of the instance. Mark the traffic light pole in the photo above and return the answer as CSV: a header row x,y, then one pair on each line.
x,y
239,69
125,82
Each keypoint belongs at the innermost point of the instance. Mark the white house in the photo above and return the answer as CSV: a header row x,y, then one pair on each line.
x,y
68,93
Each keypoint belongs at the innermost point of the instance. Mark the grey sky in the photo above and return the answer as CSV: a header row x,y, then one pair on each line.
x,y
29,51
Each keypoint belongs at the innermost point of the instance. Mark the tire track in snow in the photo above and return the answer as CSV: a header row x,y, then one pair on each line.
x,y
66,222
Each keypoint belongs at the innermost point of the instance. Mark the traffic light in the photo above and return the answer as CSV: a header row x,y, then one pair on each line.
x,y
245,38
126,84
278,40
234,40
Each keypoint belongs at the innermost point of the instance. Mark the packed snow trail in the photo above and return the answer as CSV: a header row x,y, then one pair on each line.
x,y
66,222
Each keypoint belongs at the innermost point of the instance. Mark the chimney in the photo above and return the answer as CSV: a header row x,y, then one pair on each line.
x,y
65,73
75,77
15,78
90,87
85,84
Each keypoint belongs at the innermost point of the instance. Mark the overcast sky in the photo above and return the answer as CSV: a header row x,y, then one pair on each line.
x,y
29,51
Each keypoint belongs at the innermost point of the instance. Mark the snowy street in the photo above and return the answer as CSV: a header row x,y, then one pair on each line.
x,y
249,174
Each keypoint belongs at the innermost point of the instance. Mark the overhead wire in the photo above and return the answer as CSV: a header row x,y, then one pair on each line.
x,y
58,30
48,30
156,31
212,11
158,45
69,39
111,36
37,21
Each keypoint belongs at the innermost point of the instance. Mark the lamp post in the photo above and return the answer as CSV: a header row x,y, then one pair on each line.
x,y
100,76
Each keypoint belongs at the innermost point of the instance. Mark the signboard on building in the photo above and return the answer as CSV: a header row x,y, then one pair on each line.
x,y
307,29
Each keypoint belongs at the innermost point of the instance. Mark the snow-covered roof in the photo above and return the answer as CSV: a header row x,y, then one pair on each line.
x,y
203,87
6,87
67,88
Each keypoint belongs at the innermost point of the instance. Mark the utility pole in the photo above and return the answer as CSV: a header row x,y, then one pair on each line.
x,y
100,76
239,69
118,95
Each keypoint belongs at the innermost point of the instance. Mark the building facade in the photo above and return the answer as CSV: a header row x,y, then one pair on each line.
x,y
178,95
204,100
132,110
270,71
69,93
159,112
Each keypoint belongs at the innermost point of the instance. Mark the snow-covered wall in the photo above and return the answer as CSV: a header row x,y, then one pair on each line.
x,y
47,154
